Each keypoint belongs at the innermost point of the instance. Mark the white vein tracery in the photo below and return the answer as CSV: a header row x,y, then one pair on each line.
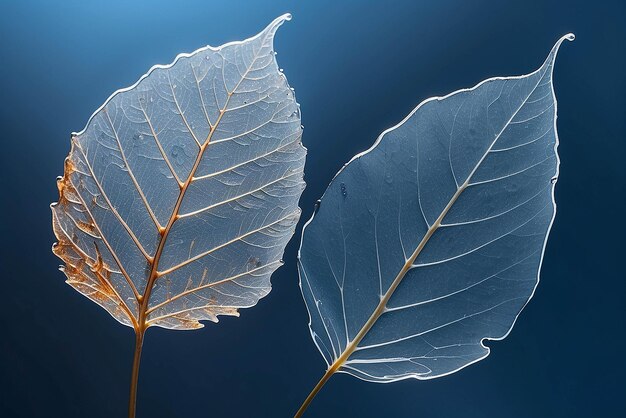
x,y
437,232
193,174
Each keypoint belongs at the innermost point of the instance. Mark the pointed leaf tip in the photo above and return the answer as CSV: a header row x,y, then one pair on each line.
x,y
555,49
567,37
276,23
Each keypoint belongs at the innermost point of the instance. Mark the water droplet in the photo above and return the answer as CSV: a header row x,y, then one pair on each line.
x,y
280,69
301,126
553,180
138,140
388,179
254,262
317,205
165,171
344,191
151,99
178,154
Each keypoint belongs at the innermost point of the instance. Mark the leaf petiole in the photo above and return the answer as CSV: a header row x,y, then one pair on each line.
x,y
132,400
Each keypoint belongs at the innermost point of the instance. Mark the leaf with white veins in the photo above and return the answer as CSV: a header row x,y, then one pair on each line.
x,y
431,241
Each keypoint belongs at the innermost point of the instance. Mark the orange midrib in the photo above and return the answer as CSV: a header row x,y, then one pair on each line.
x,y
154,273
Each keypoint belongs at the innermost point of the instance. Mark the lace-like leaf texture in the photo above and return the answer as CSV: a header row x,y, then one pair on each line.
x,y
179,196
431,241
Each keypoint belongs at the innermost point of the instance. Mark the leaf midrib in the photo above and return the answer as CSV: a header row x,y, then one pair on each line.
x,y
145,298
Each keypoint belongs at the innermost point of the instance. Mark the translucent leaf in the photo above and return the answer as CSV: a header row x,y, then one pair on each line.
x,y
431,241
182,191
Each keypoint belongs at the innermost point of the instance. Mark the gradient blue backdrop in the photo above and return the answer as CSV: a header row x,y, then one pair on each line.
x,y
358,67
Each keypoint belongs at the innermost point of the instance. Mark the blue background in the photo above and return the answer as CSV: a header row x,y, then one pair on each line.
x,y
358,68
